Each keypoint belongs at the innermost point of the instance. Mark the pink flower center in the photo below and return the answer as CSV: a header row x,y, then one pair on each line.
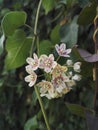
x,y
48,63
58,80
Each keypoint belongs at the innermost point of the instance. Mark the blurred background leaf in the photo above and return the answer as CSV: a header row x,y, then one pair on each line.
x,y
78,109
48,5
87,15
55,35
69,33
31,124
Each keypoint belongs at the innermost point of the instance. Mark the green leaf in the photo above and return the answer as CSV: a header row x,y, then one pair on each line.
x,y
48,5
75,55
18,47
78,110
55,35
83,3
45,47
70,2
12,21
1,43
69,33
31,124
87,15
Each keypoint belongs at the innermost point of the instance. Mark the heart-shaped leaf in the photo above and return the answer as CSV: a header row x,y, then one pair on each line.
x,y
18,47
12,21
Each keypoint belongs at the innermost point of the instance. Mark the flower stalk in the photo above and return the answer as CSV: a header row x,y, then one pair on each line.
x,y
31,53
42,107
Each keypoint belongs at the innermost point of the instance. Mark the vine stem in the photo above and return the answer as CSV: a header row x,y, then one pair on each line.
x,y
35,27
96,65
31,51
42,107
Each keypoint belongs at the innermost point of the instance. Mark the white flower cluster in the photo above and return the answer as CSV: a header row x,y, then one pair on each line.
x,y
59,79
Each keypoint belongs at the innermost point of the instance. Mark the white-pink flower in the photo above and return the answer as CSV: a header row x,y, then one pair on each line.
x,y
59,70
31,79
77,67
59,82
76,77
29,69
47,63
46,89
33,62
62,51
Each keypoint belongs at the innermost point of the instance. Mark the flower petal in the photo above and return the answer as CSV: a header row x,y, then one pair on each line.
x,y
47,63
46,95
35,56
68,51
32,83
51,57
69,62
29,60
54,64
42,59
28,78
63,46
47,70
31,78
57,47
29,69
59,89
77,66
76,77
62,51
71,83
65,55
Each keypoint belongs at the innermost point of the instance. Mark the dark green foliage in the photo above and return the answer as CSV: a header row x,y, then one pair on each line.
x,y
59,21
